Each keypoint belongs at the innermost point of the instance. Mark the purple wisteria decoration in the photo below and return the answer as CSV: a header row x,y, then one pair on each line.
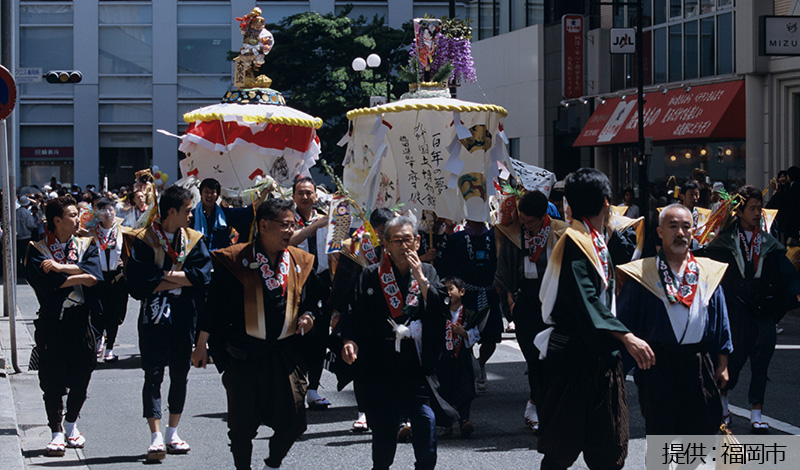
x,y
457,51
452,62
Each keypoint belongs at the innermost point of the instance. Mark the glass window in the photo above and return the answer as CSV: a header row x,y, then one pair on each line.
x,y
36,47
49,113
204,14
203,86
487,20
660,55
126,87
46,136
690,46
659,11
126,113
204,49
125,14
675,8
647,14
706,47
706,6
633,15
724,3
618,20
45,14
691,8
535,12
126,50
725,44
675,53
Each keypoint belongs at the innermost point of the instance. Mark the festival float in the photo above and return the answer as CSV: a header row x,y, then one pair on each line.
x,y
251,138
428,151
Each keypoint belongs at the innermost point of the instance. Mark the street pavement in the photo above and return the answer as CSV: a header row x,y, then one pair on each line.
x,y
117,435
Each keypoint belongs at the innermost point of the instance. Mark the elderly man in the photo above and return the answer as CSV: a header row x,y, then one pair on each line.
x,y
258,307
395,331
674,301
62,268
584,408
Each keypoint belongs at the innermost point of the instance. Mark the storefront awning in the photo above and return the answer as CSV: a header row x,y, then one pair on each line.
x,y
715,111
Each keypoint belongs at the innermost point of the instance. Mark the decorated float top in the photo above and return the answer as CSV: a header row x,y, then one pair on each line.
x,y
251,135
428,151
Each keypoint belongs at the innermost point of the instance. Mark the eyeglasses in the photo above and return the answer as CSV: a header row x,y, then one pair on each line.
x,y
402,241
284,225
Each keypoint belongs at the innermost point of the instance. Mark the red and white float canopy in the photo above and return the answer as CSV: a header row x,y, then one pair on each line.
x,y
251,134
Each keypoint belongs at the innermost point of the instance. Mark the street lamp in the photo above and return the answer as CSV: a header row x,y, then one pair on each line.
x,y
373,61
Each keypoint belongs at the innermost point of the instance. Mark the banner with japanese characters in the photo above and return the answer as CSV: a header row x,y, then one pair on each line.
x,y
427,159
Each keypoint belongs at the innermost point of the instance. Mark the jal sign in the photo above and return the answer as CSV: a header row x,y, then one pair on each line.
x,y
780,35
623,40
572,56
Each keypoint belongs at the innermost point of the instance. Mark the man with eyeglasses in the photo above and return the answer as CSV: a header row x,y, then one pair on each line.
x,y
259,307
395,333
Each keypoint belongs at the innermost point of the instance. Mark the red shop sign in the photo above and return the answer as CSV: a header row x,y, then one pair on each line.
x,y
572,56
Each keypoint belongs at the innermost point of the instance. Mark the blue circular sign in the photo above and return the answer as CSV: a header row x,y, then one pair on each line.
x,y
8,92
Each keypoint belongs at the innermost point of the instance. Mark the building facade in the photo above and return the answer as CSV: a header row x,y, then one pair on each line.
x,y
144,64
700,48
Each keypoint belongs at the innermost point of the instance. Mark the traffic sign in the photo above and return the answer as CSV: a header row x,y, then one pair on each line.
x,y
28,75
8,92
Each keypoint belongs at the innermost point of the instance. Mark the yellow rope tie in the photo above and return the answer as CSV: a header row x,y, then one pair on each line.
x,y
209,117
395,108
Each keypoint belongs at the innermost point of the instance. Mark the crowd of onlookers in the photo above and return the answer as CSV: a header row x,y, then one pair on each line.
x,y
131,202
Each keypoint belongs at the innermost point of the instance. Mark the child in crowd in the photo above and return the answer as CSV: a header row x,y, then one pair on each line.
x,y
455,372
